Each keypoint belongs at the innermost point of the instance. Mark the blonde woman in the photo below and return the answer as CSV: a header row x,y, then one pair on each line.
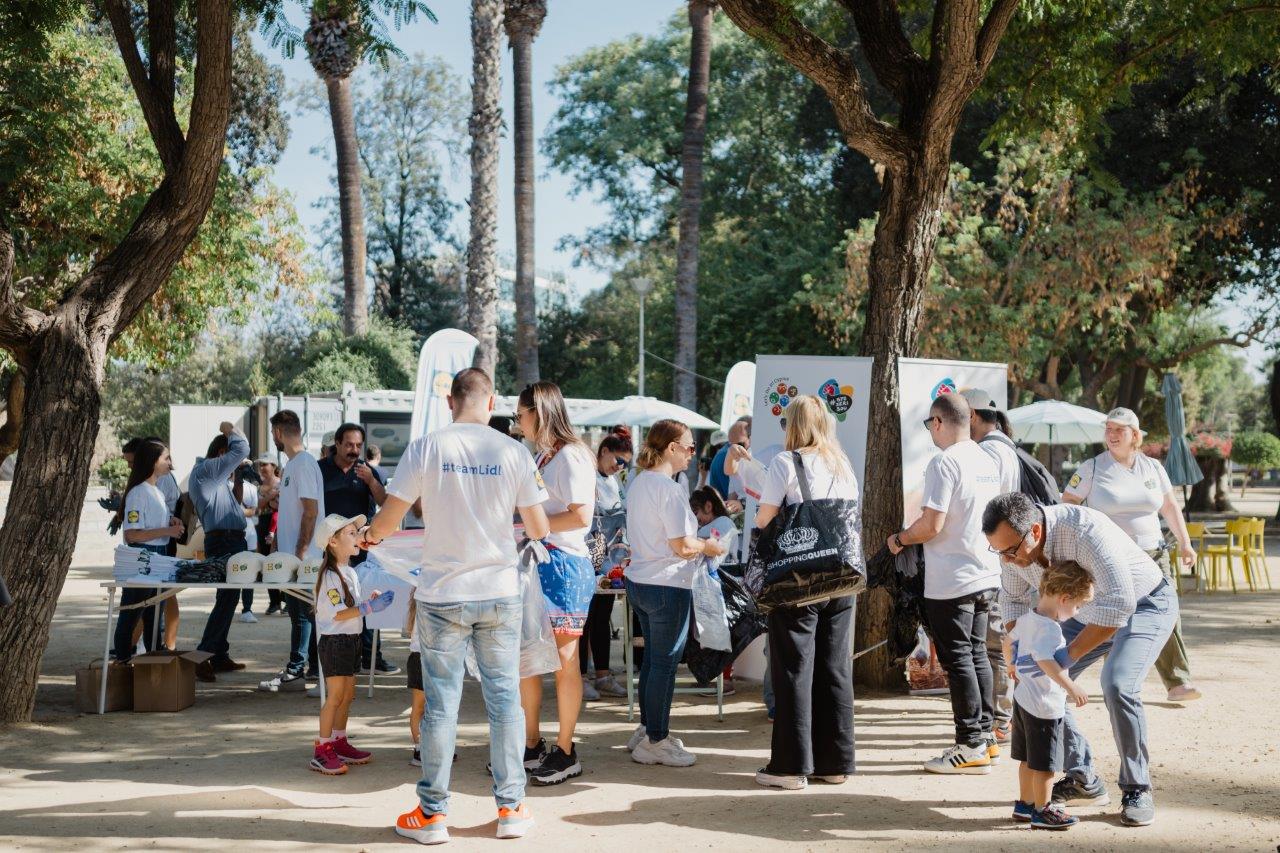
x,y
568,469
809,646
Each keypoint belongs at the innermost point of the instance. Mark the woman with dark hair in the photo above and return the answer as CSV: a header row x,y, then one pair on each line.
x,y
147,523
612,455
568,578
665,554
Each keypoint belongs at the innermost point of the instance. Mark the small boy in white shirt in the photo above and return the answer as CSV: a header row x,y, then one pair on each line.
x,y
1037,651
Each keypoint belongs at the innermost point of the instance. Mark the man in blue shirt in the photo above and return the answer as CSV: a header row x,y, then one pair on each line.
x,y
739,433
218,504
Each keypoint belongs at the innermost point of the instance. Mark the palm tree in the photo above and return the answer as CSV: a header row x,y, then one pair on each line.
x,y
695,131
484,125
524,19
334,45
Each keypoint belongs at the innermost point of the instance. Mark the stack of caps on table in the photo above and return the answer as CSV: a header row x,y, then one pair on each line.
x,y
244,568
139,564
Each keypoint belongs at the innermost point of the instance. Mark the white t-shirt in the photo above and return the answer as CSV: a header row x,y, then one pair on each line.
x,y
570,478
168,486
300,479
657,512
330,600
781,480
1006,459
471,478
1131,497
728,534
608,493
145,509
960,481
249,500
1038,638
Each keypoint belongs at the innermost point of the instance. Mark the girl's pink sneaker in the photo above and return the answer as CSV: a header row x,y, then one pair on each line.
x,y
348,753
326,760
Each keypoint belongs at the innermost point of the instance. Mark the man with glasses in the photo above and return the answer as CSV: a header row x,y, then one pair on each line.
x,y
1132,614
960,581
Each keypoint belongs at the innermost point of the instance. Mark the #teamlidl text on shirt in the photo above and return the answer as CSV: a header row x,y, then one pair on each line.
x,y
477,470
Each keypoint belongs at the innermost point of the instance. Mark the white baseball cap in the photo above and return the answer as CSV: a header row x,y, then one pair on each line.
x,y
1124,417
979,398
332,524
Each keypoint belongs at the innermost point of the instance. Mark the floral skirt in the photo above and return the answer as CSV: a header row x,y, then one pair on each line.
x,y
568,582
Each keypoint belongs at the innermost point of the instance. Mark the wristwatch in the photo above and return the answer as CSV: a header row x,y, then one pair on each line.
x,y
897,539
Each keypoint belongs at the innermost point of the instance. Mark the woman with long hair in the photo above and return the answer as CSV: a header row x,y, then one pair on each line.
x,y
665,554
568,579
147,524
810,646
613,454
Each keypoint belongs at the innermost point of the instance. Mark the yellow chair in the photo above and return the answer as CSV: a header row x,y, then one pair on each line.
x,y
1255,549
1196,533
1237,536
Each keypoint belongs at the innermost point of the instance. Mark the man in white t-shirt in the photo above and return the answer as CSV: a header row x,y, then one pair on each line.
x,y
961,576
471,481
301,491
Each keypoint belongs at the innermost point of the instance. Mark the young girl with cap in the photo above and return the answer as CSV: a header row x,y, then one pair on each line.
x,y
338,620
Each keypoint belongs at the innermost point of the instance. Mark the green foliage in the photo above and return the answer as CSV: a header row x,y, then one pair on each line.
x,y
383,358
373,39
331,369
1257,451
114,473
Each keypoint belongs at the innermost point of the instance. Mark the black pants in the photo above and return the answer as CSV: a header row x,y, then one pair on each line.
x,y
596,633
126,620
810,659
959,628
221,543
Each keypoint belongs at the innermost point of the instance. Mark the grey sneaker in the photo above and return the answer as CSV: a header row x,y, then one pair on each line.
x,y
1070,791
1137,808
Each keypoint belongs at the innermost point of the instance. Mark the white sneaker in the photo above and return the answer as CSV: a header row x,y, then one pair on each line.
x,y
283,683
248,616
607,685
636,737
313,692
774,780
589,692
961,759
668,751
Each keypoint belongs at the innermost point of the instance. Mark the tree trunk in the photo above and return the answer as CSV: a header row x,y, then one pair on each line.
x,y
485,125
355,299
525,291
43,517
906,232
1273,395
695,132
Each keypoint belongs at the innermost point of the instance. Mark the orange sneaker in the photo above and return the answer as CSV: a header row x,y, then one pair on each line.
x,y
514,823
422,828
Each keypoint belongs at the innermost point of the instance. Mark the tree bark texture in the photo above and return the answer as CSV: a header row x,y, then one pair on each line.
x,y
485,126
523,20
695,133
355,297
64,351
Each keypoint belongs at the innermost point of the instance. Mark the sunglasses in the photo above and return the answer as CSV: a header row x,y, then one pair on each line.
x,y
929,420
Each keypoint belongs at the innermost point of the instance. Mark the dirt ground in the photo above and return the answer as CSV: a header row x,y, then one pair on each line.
x,y
231,771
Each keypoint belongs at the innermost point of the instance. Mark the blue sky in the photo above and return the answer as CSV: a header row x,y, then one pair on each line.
x,y
570,27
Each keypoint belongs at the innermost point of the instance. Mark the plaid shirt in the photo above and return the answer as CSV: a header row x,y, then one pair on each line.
x,y
1122,572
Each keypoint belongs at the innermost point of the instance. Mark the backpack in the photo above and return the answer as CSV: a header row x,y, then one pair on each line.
x,y
1036,481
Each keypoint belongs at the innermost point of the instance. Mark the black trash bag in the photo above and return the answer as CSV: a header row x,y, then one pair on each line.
x,y
903,577
745,624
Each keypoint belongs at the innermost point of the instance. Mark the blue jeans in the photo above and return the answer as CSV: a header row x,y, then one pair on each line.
x,y
492,629
1130,652
663,612
221,543
302,627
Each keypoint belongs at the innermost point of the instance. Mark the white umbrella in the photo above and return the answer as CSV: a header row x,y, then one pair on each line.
x,y
643,411
1056,422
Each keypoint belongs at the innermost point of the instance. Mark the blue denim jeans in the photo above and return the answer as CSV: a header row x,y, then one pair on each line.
x,y
1130,652
492,629
663,612
302,628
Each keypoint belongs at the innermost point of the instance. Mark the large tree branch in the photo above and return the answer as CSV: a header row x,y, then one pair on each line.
x,y
1242,339
158,110
776,24
1160,43
19,324
993,30
162,47
897,65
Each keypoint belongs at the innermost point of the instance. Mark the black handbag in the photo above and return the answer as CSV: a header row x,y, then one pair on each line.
x,y
809,553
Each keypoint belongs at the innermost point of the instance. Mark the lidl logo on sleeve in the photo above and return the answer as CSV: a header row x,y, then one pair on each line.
x,y
334,597
537,476
132,517
1074,481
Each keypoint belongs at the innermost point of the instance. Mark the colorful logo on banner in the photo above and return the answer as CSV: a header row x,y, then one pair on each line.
x,y
946,386
839,398
741,405
780,392
441,384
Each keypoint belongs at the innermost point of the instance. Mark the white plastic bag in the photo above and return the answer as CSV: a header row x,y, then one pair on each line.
x,y
710,622
538,653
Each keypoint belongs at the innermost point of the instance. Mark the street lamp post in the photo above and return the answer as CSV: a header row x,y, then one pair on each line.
x,y
642,285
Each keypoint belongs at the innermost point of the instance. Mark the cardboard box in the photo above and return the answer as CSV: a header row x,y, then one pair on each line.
x,y
165,681
119,687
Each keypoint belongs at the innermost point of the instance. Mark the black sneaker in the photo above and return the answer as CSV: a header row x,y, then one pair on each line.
x,y
557,767
1137,808
1052,816
533,756
1070,791
387,668
416,760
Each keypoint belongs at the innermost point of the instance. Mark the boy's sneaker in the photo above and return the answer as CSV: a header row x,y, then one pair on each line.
x,y
589,692
421,828
557,767
775,780
1023,812
972,760
1070,791
349,754
326,761
607,685
993,749
1137,808
668,751
514,823
416,759
1052,816
636,736
284,682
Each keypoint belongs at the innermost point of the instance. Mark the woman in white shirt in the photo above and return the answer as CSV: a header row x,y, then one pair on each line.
x,y
568,470
612,455
1133,490
810,647
146,523
665,553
